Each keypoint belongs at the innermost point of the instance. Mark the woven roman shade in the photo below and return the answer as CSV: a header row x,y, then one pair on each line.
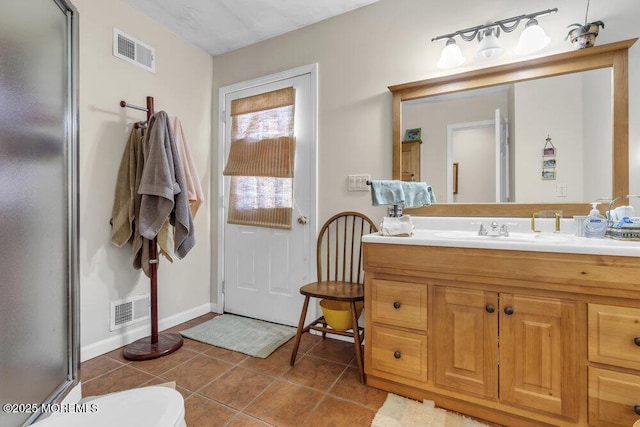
x,y
261,159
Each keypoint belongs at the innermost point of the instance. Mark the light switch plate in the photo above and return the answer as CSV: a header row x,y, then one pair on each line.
x,y
358,182
561,190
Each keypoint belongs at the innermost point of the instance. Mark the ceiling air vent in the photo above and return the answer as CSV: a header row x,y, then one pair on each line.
x,y
134,51
128,311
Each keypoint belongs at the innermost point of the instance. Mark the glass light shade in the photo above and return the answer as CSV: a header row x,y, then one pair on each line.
x,y
532,39
489,47
451,55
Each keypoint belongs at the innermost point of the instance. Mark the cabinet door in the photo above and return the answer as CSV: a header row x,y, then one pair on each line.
x,y
465,347
538,361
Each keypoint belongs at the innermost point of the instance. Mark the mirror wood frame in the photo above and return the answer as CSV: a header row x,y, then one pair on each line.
x,y
612,55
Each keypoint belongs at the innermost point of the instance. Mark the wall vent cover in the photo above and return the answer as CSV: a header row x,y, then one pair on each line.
x,y
128,311
133,50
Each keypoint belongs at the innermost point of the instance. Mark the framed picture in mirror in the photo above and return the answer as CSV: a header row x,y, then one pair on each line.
x,y
413,134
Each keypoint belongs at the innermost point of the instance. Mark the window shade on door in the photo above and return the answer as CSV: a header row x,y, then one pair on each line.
x,y
261,159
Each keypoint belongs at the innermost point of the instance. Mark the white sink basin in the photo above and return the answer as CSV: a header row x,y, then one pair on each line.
x,y
512,237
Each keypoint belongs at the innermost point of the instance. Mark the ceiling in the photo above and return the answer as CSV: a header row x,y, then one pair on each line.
x,y
219,26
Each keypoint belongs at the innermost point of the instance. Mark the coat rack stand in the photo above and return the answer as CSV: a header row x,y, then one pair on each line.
x,y
156,345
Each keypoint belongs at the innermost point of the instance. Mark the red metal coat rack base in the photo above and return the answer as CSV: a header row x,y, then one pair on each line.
x,y
156,345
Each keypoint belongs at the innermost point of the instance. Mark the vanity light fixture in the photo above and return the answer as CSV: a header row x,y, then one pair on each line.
x,y
532,39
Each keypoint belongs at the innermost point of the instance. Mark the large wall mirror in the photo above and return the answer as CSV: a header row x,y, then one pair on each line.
x,y
484,134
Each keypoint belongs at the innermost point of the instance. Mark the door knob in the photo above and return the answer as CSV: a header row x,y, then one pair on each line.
x,y
490,308
508,311
636,340
396,304
636,409
397,354
302,220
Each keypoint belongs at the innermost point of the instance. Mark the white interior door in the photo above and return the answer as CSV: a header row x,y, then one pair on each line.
x,y
502,158
265,267
472,146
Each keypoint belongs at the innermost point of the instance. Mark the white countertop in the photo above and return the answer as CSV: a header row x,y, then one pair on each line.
x,y
462,233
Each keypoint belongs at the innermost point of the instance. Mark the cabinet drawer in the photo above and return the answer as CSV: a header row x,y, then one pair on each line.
x,y
398,353
613,332
613,397
399,304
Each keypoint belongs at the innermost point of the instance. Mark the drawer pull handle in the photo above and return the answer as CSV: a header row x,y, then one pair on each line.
x,y
508,311
637,341
396,304
490,308
636,409
398,355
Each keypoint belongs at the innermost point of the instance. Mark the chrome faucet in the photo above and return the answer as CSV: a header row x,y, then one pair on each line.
x,y
496,230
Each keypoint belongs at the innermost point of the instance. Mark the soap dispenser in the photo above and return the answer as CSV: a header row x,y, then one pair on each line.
x,y
595,225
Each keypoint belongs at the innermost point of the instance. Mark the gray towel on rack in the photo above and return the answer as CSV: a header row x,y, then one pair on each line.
x,y
163,187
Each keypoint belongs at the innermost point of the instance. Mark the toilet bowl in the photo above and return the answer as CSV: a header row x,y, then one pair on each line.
x,y
141,407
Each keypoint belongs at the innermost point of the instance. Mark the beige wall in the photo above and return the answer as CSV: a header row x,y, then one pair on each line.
x,y
561,120
182,87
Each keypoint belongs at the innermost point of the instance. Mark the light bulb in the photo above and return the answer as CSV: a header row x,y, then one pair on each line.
x,y
489,46
532,39
451,55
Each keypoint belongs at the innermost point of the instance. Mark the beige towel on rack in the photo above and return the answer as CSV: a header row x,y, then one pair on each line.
x,y
123,211
163,187
194,188
139,245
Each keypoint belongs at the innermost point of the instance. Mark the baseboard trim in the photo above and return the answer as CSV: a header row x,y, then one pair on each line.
x,y
128,336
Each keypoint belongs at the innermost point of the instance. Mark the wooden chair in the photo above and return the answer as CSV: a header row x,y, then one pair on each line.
x,y
340,277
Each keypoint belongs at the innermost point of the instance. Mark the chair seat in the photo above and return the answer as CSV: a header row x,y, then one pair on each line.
x,y
334,290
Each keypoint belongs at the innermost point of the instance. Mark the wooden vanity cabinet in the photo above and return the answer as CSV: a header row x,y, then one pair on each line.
x,y
515,349
514,337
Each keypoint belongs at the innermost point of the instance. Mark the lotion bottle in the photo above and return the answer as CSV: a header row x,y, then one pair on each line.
x,y
595,225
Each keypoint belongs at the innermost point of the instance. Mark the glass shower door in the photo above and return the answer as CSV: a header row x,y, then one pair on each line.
x,y
37,155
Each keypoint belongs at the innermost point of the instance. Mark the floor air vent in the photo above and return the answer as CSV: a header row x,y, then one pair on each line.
x,y
134,51
129,311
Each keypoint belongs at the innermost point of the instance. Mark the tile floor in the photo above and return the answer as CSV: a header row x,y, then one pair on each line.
x,y
226,388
